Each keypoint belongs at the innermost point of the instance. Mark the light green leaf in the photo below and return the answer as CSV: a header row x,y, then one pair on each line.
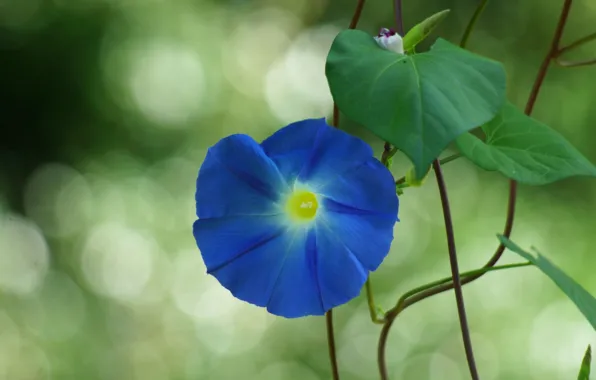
x,y
414,181
419,32
418,103
584,372
524,149
584,301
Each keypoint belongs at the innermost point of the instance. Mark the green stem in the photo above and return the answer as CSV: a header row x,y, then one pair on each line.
x,y
586,62
448,159
472,23
399,306
576,44
446,280
388,153
372,307
402,303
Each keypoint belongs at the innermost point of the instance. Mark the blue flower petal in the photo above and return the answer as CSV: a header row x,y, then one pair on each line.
x,y
367,188
367,237
237,178
313,152
361,208
297,292
244,253
222,240
259,261
290,147
340,273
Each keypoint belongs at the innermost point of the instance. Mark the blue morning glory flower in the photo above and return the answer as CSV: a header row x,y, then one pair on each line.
x,y
296,223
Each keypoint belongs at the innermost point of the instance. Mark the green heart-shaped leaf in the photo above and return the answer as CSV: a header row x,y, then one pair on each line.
x,y
524,149
585,302
419,103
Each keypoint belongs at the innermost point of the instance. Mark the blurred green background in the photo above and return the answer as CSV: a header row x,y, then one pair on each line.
x,y
107,108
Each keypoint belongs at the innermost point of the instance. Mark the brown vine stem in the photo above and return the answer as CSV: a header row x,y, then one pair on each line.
x,y
459,297
399,22
357,13
475,17
353,24
331,343
552,53
401,306
329,314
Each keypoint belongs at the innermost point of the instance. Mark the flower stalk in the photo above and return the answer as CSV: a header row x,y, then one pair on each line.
x,y
331,344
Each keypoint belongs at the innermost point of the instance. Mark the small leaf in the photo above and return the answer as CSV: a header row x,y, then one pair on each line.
x,y
584,301
419,32
524,149
584,371
418,103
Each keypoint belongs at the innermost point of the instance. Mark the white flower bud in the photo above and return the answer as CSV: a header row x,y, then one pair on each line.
x,y
388,39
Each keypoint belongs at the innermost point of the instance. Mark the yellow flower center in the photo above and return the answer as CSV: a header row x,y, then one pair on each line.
x,y
302,206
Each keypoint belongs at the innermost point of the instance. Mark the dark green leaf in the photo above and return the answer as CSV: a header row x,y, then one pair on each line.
x,y
584,301
584,371
418,33
524,149
419,103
